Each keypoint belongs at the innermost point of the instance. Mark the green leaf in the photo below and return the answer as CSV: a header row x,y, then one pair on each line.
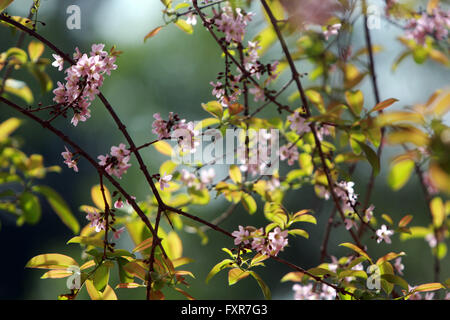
x,y
51,261
395,280
227,263
299,232
4,4
372,157
89,241
440,251
265,289
235,174
101,276
59,206
400,173
30,206
355,100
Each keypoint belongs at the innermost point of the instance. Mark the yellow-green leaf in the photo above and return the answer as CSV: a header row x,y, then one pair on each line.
x,y
236,274
163,147
356,249
7,127
51,261
383,104
183,25
35,50
438,211
19,89
400,173
235,174
97,197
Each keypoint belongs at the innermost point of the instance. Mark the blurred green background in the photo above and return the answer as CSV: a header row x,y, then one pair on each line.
x,y
171,72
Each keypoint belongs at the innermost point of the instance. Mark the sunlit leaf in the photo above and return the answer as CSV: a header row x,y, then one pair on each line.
x,y
265,289
235,174
400,173
438,211
19,89
356,249
4,4
183,25
97,197
383,104
163,147
51,261
60,206
35,50
236,274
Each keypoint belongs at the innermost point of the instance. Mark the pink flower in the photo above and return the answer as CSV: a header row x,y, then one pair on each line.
x,y
207,176
305,292
289,152
58,63
435,25
117,162
83,81
160,127
240,236
349,223
369,213
191,19
258,93
344,191
233,24
384,234
298,123
118,232
332,30
399,266
277,241
118,204
67,155
431,239
164,181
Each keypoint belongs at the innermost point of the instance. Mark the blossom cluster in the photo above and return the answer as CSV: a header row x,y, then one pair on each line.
x,y
307,292
270,244
233,23
435,25
116,163
185,131
83,80
189,179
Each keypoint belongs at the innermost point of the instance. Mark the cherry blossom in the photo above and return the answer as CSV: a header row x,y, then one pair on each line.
x,y
83,80
164,181
207,176
398,266
118,233
67,155
59,62
435,25
298,123
431,239
288,152
344,191
331,30
118,204
116,163
384,234
240,236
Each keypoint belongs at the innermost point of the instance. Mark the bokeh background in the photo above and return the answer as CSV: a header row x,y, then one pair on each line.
x,y
171,72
